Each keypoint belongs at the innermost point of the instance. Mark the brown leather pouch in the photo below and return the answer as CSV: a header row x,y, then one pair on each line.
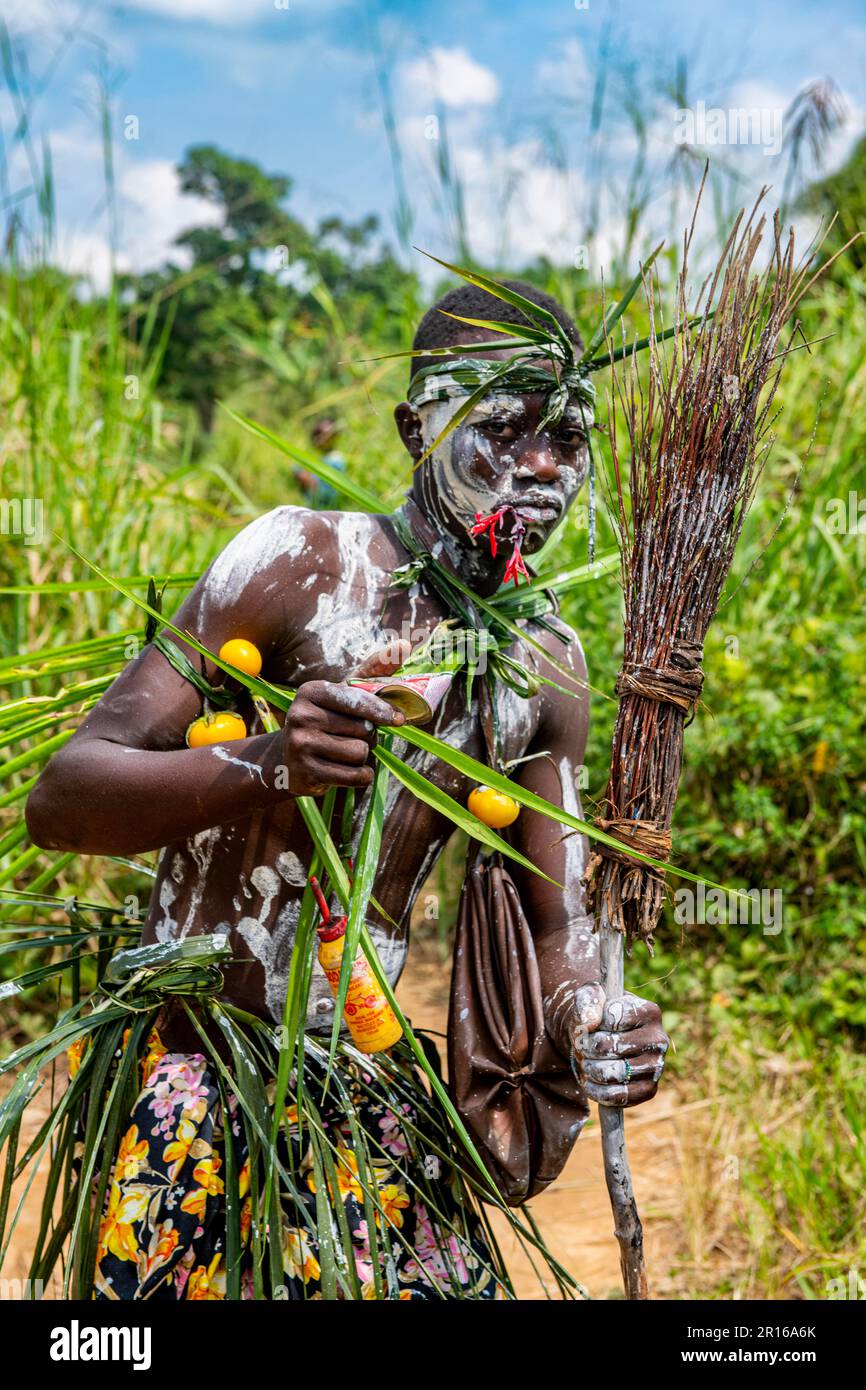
x,y
513,1089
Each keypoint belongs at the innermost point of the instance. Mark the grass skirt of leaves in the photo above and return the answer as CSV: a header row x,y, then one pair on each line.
x,y
356,1187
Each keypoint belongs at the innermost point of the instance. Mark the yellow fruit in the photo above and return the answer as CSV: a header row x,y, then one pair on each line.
x,y
493,808
215,728
241,653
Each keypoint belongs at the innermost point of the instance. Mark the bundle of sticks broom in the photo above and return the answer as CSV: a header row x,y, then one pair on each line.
x,y
698,425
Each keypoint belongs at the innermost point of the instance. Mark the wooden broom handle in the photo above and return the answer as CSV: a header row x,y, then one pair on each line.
x,y
627,1223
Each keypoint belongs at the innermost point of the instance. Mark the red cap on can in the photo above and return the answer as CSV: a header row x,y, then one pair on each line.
x,y
330,931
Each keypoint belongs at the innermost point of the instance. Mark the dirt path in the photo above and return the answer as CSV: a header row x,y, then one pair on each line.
x,y
574,1214
17,1261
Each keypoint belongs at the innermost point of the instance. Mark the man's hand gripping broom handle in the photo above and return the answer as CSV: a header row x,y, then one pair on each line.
x,y
627,1225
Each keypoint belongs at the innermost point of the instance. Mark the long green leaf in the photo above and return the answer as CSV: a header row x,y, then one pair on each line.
x,y
93,586
359,494
612,315
440,801
359,898
538,336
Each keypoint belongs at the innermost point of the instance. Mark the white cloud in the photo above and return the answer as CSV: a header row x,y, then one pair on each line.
x,y
518,204
539,201
154,210
46,25
567,74
28,14
763,96
449,75
88,254
76,143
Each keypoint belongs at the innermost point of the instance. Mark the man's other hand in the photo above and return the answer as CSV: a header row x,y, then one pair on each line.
x,y
619,1047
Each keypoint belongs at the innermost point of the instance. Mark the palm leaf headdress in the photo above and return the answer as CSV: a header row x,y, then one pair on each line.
x,y
543,357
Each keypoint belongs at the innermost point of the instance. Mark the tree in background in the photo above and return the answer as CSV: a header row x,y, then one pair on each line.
x,y
260,284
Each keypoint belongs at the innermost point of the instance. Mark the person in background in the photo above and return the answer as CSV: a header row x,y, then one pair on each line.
x,y
323,437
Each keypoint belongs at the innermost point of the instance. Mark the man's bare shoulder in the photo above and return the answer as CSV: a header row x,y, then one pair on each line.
x,y
261,554
563,644
569,705
289,550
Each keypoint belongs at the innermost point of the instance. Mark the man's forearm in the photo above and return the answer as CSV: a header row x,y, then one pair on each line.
x,y
99,797
567,960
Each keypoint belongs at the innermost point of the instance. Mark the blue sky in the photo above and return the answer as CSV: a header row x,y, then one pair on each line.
x,y
292,84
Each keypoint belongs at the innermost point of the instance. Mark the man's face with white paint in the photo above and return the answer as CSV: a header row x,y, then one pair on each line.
x,y
498,456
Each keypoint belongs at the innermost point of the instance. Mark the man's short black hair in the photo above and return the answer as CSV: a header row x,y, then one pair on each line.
x,y
436,330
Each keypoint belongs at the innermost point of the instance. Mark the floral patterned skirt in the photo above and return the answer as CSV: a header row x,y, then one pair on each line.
x,y
164,1230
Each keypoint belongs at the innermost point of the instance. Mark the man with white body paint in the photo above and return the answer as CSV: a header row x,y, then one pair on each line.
x,y
314,591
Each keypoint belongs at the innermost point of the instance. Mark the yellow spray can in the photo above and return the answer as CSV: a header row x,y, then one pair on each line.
x,y
369,1017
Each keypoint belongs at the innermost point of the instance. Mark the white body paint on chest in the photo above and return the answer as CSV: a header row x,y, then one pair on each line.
x,y
166,930
272,946
201,849
290,868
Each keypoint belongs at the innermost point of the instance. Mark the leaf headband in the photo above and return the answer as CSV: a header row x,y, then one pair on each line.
x,y
476,377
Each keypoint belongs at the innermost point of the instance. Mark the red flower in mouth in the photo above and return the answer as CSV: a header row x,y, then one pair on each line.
x,y
488,524
515,567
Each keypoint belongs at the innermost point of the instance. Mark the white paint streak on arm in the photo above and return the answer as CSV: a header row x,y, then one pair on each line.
x,y
219,751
